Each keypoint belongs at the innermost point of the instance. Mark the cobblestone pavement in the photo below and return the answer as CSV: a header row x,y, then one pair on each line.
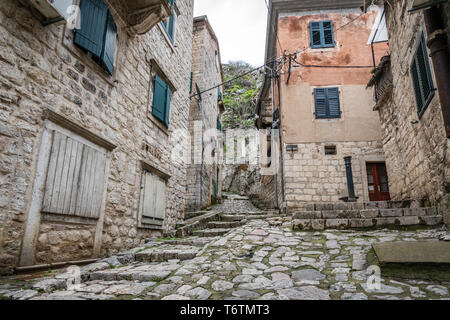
x,y
262,259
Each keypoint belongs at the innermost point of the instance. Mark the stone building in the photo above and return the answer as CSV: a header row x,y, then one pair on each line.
x,y
204,174
320,103
87,122
412,88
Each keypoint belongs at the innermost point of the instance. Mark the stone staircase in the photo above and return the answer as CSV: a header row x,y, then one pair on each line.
x,y
344,215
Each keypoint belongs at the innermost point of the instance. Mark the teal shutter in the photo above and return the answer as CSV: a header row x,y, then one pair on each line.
x,y
169,25
167,107
159,98
90,36
315,28
219,123
334,110
109,49
320,99
322,35
422,79
328,34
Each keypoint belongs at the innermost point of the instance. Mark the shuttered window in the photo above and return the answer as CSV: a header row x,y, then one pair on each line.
x,y
161,100
326,102
169,25
154,199
75,178
219,123
421,76
322,35
98,32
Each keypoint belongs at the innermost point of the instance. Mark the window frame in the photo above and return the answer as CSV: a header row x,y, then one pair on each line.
x,y
168,100
425,101
170,23
322,34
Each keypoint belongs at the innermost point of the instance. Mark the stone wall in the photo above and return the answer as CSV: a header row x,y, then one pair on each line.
x,y
40,67
313,176
416,150
204,173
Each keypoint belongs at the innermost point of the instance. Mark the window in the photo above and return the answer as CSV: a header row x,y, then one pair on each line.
x,y
219,94
327,103
153,207
217,60
161,100
169,25
98,33
421,76
75,178
322,35
330,150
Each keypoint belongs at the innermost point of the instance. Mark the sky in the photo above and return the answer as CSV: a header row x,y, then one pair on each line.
x,y
240,27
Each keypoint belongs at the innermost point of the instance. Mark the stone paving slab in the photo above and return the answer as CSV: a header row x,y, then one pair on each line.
x,y
413,252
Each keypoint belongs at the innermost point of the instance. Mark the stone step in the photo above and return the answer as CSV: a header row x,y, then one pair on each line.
x,y
392,204
193,214
364,214
167,252
210,232
343,223
250,213
225,224
232,217
188,226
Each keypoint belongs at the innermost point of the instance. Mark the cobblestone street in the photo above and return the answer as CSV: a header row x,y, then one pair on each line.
x,y
262,259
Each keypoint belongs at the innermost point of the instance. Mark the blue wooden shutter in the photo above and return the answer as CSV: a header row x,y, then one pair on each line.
x,y
320,99
90,36
167,106
334,110
109,49
315,28
328,35
159,98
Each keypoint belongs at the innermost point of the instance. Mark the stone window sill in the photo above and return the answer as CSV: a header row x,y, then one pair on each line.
x,y
166,37
158,123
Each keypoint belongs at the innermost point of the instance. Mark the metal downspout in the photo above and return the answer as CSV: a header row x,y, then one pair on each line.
x,y
273,141
283,199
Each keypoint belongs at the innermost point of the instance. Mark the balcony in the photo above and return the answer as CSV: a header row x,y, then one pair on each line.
x,y
381,81
140,16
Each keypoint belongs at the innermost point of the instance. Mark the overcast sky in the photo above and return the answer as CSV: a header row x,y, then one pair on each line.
x,y
240,26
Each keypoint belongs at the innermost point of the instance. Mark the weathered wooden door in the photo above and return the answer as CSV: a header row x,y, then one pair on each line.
x,y
377,182
154,202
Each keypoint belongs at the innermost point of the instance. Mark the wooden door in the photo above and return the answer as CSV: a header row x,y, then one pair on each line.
x,y
378,182
154,202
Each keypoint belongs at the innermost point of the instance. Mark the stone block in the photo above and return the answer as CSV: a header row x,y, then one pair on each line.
x,y
385,221
324,206
336,223
418,212
340,214
318,224
307,215
409,220
376,205
301,224
369,213
361,223
391,212
310,207
431,220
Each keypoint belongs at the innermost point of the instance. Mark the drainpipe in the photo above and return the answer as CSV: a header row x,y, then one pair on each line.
x,y
283,200
351,187
437,43
275,176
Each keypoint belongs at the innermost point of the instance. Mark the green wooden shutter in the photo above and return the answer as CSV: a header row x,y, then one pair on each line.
x,y
328,35
167,106
416,83
159,98
109,48
90,36
320,99
334,110
315,28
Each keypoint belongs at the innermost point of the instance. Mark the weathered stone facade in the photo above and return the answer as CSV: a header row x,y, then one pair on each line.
x,y
416,148
204,175
41,69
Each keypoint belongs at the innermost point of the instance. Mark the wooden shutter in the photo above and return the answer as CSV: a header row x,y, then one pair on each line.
x,y
422,79
109,48
167,106
328,35
154,200
75,178
315,28
334,110
90,36
159,98
320,100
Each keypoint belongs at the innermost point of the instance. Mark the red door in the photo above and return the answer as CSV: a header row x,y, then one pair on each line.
x,y
378,182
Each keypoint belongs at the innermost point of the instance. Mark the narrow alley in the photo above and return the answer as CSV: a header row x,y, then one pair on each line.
x,y
258,258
